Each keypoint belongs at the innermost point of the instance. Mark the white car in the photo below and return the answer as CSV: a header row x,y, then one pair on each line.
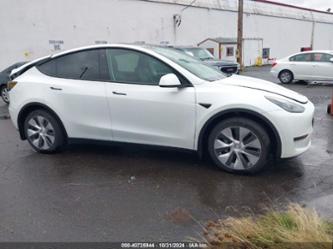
x,y
157,96
308,66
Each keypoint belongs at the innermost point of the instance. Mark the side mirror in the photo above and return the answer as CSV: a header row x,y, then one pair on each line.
x,y
170,80
331,60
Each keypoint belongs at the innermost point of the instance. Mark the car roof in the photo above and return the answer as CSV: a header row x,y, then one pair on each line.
x,y
130,46
145,48
55,55
314,51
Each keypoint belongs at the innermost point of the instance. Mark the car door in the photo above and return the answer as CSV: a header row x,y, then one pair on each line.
x,y
141,111
76,90
323,67
302,66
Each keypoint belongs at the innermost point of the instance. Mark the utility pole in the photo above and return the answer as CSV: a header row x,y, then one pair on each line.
x,y
240,33
313,31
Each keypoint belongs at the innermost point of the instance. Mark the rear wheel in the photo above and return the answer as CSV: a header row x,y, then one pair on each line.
x,y
4,94
44,132
239,145
286,77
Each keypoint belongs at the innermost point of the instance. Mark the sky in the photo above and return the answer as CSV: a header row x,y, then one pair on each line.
x,y
313,4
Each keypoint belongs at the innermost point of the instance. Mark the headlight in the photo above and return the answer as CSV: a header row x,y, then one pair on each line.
x,y
286,104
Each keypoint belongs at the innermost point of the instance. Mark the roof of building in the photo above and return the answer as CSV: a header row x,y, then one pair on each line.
x,y
222,40
293,6
257,7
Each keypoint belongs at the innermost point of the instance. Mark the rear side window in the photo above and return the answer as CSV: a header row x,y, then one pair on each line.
x,y
84,65
301,57
322,57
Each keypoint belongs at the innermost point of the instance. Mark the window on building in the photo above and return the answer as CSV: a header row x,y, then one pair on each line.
x,y
266,53
84,65
230,51
132,67
211,50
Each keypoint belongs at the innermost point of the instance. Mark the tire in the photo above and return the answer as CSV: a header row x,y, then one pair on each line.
x,y
44,132
286,77
244,153
4,94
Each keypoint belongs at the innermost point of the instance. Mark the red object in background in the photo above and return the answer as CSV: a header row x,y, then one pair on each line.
x,y
306,49
274,64
329,107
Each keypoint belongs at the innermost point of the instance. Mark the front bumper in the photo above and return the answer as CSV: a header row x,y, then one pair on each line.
x,y
295,130
232,69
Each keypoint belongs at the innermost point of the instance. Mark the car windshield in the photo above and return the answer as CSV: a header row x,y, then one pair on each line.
x,y
193,65
201,53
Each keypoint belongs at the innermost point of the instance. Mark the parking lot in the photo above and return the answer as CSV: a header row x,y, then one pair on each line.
x,y
114,193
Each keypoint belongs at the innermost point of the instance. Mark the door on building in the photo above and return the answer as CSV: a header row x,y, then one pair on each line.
x,y
252,50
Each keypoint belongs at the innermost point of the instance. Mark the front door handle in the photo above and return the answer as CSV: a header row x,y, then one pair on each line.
x,y
118,93
55,88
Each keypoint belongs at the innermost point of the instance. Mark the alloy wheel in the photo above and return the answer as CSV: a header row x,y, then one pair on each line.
x,y
40,132
237,148
285,77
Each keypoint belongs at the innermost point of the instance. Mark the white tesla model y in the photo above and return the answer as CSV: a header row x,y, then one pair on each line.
x,y
157,96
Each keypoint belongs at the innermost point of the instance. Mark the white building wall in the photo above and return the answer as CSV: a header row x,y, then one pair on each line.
x,y
282,35
323,38
27,26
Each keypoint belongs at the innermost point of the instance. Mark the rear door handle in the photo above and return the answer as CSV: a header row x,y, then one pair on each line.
x,y
118,93
55,88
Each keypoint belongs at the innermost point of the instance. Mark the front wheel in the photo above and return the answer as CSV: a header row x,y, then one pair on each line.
x,y
239,145
43,132
4,94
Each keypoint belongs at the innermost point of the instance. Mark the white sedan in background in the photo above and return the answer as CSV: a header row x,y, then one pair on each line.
x,y
310,66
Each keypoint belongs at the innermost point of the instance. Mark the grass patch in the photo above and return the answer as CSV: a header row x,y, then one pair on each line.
x,y
297,227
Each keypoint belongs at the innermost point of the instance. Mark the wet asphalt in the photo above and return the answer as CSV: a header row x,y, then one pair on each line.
x,y
116,193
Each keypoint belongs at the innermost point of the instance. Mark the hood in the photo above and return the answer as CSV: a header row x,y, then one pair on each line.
x,y
263,85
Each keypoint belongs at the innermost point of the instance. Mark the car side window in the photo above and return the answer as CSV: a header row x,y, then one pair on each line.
x,y
133,67
322,57
84,65
301,57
